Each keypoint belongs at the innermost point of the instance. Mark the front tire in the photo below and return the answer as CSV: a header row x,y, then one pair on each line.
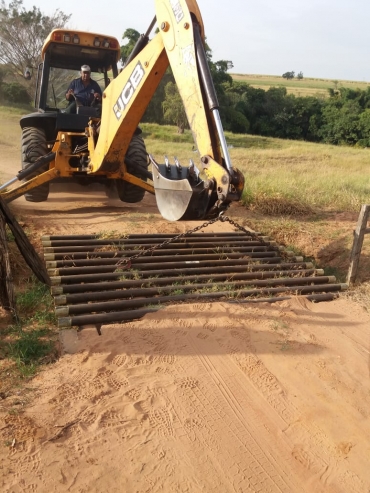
x,y
34,145
137,155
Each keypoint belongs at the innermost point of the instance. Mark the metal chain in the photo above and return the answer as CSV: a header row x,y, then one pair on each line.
x,y
126,262
252,234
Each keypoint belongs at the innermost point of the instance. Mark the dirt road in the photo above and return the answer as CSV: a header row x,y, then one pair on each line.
x,y
193,398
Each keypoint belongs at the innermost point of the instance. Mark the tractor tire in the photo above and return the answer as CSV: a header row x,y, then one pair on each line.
x,y
34,146
136,153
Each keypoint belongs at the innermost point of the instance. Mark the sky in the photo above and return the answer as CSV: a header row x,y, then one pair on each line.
x,y
327,39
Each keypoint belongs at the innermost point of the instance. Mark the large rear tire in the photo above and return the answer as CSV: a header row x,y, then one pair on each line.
x,y
137,157
34,146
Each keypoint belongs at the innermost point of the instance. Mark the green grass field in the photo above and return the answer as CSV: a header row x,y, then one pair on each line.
x,y
305,87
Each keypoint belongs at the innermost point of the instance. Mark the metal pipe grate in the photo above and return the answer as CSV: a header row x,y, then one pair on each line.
x,y
106,280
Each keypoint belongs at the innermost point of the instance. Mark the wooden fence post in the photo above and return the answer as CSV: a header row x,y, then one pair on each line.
x,y
24,245
358,240
7,296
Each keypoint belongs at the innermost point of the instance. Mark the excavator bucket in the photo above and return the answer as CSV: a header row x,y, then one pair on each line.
x,y
179,192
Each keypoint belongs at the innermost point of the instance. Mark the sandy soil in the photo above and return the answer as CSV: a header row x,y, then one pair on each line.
x,y
193,398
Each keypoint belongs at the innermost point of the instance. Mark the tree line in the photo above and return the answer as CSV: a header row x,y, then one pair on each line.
x,y
342,118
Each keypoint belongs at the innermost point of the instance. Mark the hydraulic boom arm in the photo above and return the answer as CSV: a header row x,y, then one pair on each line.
x,y
180,192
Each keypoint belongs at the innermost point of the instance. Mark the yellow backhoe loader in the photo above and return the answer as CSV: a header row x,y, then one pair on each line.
x,y
103,143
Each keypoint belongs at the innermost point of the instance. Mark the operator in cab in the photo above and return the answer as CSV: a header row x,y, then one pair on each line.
x,y
83,91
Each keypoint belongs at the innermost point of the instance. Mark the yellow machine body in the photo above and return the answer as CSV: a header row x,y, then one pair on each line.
x,y
124,101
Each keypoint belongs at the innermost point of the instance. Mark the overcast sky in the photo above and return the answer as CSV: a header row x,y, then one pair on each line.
x,y
322,38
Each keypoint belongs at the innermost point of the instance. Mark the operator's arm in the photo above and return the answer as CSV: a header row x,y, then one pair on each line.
x,y
97,90
70,92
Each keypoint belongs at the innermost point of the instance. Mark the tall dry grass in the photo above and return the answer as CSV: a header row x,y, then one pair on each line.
x,y
308,86
283,176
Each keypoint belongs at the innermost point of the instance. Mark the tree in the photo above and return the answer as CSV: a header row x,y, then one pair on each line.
x,y
234,107
173,108
219,71
308,116
132,36
15,93
22,34
341,122
288,75
300,75
364,127
154,111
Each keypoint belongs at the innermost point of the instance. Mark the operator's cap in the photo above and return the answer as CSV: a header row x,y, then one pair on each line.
x,y
85,68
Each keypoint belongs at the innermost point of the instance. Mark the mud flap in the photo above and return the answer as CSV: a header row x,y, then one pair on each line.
x,y
176,198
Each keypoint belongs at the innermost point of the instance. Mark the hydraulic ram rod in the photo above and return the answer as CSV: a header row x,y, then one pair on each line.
x,y
211,94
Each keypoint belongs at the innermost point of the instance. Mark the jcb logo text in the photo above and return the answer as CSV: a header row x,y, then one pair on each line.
x,y
129,90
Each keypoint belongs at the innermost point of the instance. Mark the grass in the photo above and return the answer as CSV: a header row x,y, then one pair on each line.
x,y
15,109
29,349
284,176
10,131
306,87
31,340
359,294
165,133
303,177
107,235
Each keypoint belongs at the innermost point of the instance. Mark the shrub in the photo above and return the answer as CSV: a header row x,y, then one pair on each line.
x,y
15,93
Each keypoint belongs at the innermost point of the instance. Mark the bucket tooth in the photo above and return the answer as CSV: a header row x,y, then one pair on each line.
x,y
167,164
178,165
193,172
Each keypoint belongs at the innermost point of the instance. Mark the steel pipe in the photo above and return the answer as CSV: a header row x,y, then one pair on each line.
x,y
142,302
87,278
132,283
147,292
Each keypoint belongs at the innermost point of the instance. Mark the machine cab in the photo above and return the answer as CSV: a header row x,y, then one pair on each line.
x,y
63,54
